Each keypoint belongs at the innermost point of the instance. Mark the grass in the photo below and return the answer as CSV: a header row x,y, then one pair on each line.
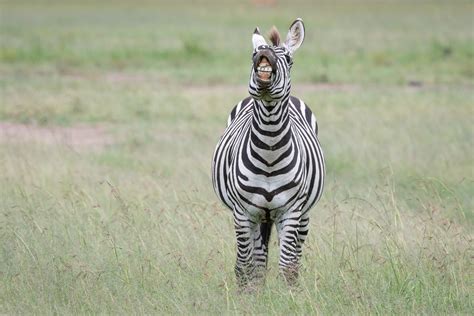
x,y
134,226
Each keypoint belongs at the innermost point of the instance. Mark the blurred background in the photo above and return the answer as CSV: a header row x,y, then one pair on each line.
x,y
109,114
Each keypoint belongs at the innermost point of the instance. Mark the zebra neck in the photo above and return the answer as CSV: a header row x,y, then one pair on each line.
x,y
270,125
270,116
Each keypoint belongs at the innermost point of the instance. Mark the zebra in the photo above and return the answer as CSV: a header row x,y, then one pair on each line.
x,y
268,166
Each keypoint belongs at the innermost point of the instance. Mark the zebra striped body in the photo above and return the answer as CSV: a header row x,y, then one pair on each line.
x,y
268,166
267,171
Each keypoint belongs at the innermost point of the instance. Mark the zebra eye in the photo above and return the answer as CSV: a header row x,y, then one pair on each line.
x,y
288,59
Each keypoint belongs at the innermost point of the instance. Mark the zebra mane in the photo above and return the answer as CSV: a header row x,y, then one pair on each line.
x,y
274,36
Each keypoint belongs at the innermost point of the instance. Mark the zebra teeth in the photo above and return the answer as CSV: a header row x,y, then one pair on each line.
x,y
264,69
264,72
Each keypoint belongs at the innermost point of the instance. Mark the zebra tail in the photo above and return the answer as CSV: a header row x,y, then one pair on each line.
x,y
265,231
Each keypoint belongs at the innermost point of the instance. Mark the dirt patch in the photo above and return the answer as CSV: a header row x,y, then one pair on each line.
x,y
81,137
127,77
152,78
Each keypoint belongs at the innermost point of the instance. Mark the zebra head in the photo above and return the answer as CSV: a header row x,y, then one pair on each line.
x,y
271,64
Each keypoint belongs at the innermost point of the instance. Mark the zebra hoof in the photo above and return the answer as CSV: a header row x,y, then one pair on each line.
x,y
290,274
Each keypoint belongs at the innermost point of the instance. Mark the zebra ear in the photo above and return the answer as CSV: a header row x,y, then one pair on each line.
x,y
295,36
257,39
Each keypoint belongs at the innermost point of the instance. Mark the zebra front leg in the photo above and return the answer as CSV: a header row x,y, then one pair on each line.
x,y
288,227
244,265
302,233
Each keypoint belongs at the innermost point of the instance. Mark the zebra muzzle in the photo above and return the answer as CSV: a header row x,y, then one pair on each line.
x,y
264,67
264,70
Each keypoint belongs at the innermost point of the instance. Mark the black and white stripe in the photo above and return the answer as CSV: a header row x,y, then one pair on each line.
x,y
268,167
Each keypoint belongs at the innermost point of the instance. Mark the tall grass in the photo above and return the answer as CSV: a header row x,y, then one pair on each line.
x,y
134,227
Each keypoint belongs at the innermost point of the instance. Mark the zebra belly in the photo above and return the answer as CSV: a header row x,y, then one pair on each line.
x,y
259,197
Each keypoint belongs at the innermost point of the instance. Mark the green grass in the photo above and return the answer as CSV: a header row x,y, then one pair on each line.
x,y
134,226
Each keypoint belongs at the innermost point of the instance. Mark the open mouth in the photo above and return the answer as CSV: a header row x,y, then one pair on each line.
x,y
264,70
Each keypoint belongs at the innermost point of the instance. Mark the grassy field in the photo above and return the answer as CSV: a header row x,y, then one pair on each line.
x,y
109,114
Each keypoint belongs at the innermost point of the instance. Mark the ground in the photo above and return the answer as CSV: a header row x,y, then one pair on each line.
x,y
109,114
